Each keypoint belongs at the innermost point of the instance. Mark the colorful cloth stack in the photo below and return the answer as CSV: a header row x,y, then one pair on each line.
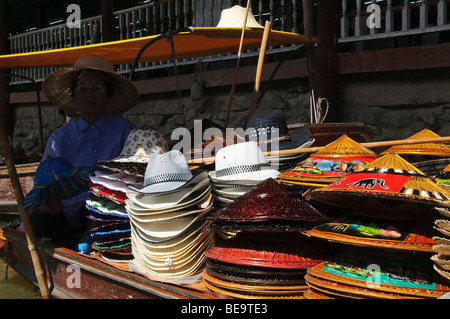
x,y
110,233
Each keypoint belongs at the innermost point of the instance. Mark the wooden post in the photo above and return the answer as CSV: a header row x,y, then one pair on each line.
x,y
262,54
6,118
6,149
107,20
325,65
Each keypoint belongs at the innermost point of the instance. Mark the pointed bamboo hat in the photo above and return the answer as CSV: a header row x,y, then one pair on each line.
x,y
388,177
443,178
331,163
269,200
436,149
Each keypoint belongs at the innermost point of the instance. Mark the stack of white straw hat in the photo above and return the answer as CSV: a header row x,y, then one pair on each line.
x,y
168,220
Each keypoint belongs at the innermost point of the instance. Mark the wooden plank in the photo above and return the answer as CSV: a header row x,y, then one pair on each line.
x,y
398,59
290,69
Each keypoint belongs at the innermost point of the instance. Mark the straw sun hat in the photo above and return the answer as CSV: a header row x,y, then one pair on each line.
x,y
57,85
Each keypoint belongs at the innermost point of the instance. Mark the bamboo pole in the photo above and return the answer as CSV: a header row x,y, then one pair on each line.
x,y
367,144
262,54
6,149
10,165
238,61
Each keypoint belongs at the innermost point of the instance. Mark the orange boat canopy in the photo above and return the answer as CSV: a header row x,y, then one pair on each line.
x,y
196,43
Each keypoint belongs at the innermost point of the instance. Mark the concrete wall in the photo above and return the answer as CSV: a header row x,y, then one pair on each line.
x,y
394,105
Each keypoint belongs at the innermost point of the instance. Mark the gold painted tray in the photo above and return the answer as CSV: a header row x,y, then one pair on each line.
x,y
405,275
371,232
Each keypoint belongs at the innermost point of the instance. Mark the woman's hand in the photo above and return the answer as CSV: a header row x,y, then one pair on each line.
x,y
53,207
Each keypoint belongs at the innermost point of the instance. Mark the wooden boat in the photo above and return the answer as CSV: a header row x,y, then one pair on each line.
x,y
48,266
325,133
25,173
96,280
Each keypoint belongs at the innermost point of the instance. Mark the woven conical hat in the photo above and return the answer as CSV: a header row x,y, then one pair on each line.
x,y
437,149
343,155
443,178
344,146
269,200
388,177
392,163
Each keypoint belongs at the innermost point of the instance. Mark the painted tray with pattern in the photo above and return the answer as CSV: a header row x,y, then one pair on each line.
x,y
371,232
407,275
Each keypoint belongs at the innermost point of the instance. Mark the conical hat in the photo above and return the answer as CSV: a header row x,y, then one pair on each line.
x,y
388,177
380,233
442,260
443,178
332,162
269,200
406,275
437,149
344,146
288,250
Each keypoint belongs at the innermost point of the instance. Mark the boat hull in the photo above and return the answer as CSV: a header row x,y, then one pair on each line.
x,y
74,276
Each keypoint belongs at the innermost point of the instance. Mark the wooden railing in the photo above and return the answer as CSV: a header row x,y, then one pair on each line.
x,y
396,18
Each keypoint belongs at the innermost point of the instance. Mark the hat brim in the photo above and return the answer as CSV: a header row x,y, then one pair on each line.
x,y
185,197
154,217
250,176
171,245
56,88
171,227
171,186
298,139
397,199
66,184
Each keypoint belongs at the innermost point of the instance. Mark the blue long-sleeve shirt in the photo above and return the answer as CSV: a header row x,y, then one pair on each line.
x,y
84,144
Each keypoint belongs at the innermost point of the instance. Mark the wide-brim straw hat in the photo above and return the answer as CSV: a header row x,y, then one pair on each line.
x,y
174,198
57,85
169,228
242,161
139,147
165,173
271,131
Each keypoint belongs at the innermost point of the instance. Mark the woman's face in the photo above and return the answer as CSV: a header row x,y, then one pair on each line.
x,y
90,94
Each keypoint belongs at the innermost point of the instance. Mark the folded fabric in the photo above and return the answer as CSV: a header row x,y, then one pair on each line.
x,y
114,184
102,191
105,206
